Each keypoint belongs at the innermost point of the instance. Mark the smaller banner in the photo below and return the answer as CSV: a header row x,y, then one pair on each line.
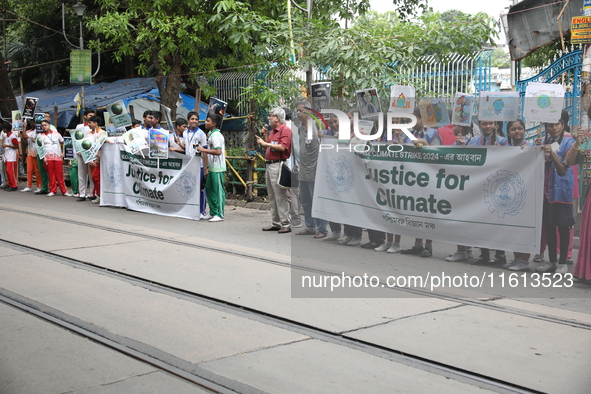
x,y
17,121
159,143
462,111
30,106
543,102
80,65
118,114
321,95
580,28
402,98
68,148
498,106
168,187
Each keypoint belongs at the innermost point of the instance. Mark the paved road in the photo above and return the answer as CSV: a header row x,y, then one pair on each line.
x,y
220,301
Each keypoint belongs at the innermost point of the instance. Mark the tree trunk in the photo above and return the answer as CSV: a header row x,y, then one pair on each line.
x,y
7,99
169,85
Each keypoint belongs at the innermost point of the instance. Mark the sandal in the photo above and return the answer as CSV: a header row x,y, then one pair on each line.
x,y
320,235
427,252
538,258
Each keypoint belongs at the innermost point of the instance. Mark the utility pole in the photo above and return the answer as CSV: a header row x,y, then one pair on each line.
x,y
308,11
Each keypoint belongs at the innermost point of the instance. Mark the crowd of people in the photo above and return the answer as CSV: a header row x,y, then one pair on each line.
x,y
85,177
290,141
284,140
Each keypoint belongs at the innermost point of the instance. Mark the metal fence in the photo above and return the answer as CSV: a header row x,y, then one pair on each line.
x,y
431,75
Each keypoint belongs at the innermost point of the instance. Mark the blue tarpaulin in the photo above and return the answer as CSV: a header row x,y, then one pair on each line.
x,y
103,94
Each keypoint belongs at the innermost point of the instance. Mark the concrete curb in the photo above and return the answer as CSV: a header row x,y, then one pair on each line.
x,y
251,205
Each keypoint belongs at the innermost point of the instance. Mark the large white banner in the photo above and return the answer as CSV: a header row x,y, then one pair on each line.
x,y
480,196
167,187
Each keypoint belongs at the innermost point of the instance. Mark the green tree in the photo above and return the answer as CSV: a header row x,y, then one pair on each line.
x,y
500,59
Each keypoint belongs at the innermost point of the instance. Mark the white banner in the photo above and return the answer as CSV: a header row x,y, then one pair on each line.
x,y
168,187
478,196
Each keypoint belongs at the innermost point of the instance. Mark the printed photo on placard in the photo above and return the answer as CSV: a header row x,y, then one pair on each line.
x,y
498,106
462,109
30,106
543,102
368,102
159,144
217,106
17,121
38,118
402,98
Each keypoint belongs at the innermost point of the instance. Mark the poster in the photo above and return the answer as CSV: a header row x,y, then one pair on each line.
x,y
402,98
166,114
158,143
38,118
86,146
434,113
68,148
321,96
498,106
217,106
368,102
41,152
462,109
118,114
30,105
134,141
17,121
543,102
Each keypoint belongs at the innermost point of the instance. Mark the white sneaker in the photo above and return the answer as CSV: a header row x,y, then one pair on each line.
x,y
216,219
458,256
96,200
75,195
50,194
68,194
395,248
205,217
547,267
354,242
26,189
562,269
383,247
343,240
38,190
520,266
333,237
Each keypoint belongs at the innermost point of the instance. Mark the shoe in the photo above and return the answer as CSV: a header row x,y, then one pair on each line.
x,y
414,250
81,199
296,225
96,200
484,261
569,262
76,195
216,219
92,198
50,194
511,263
305,232
344,240
548,267
26,189
12,189
469,255
370,245
538,258
457,256
37,191
427,252
205,217
320,235
354,242
271,228
383,247
562,269
68,194
42,192
395,248
333,237
500,259
3,186
520,265
284,230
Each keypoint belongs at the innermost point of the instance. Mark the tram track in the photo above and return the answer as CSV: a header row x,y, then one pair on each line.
x,y
416,291
341,339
